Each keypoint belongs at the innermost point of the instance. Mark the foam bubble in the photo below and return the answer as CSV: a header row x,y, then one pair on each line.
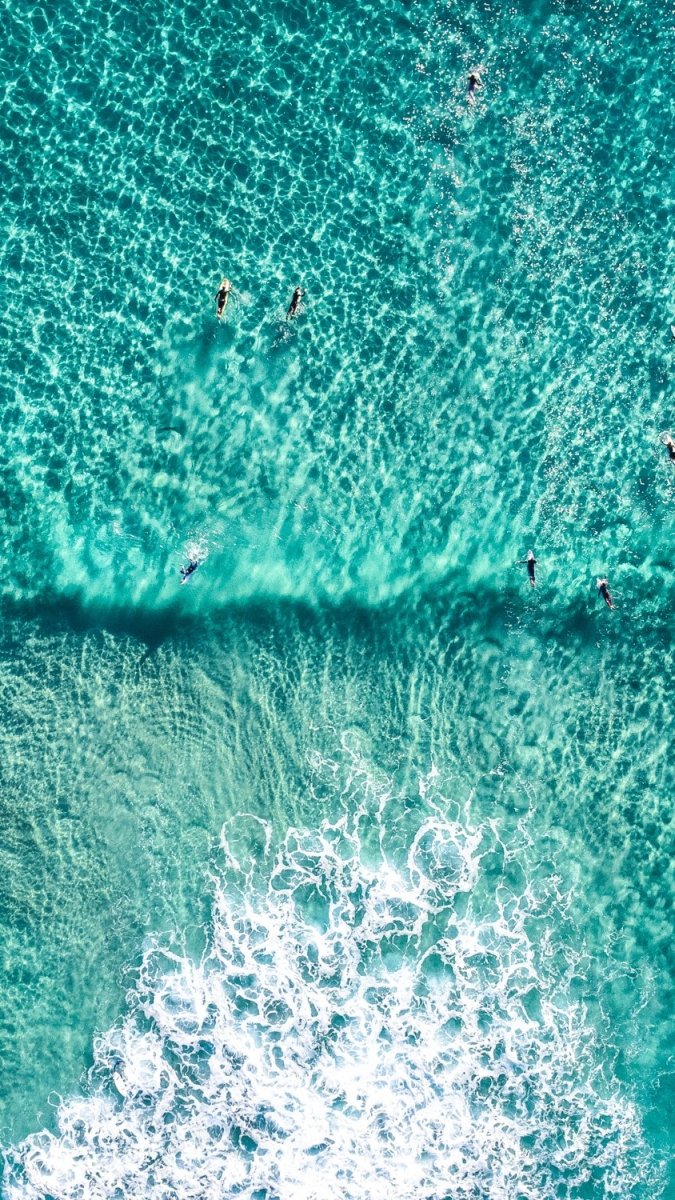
x,y
356,1028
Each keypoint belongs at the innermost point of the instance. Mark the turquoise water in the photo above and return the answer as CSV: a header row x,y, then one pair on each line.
x,y
345,870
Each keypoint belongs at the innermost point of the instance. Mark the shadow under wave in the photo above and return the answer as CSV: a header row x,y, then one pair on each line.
x,y
490,612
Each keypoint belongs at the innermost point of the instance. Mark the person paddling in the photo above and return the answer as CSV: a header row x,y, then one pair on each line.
x,y
475,82
295,303
531,563
222,297
603,588
670,447
186,572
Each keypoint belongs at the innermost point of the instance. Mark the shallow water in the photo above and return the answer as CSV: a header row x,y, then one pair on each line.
x,y
482,365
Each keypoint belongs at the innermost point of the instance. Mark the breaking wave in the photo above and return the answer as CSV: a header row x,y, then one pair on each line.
x,y
361,1025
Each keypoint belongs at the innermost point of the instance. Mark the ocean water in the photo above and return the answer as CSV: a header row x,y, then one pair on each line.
x,y
345,870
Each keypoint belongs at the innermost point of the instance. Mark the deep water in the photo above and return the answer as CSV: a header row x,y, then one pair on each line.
x,y
346,869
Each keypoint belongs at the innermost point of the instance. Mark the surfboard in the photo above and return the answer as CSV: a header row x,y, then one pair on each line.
x,y
188,577
120,1083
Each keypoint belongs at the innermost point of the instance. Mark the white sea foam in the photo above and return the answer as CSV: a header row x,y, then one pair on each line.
x,y
356,1029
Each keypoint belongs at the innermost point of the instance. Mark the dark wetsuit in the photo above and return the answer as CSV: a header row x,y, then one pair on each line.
x,y
293,306
221,300
603,589
187,571
670,447
530,562
474,82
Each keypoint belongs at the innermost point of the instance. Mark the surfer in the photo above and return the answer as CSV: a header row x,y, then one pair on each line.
x,y
475,82
222,297
295,302
670,447
603,588
117,1066
531,563
186,572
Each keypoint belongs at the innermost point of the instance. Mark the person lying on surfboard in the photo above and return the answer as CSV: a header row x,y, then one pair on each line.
x,y
475,82
531,562
186,572
222,297
603,588
293,306
670,446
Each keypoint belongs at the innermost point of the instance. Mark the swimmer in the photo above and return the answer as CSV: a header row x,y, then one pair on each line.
x,y
531,563
475,82
186,572
670,447
603,588
222,297
295,302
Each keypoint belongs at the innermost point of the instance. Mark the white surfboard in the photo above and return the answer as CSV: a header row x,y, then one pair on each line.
x,y
120,1083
